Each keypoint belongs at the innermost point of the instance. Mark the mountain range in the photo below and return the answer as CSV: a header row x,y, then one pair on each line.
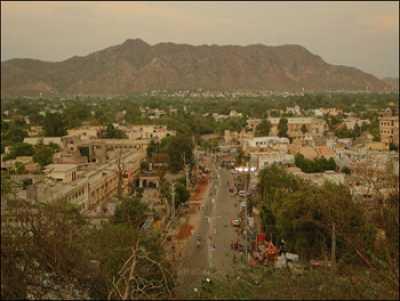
x,y
136,66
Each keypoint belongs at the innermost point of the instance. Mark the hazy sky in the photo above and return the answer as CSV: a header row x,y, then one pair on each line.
x,y
359,34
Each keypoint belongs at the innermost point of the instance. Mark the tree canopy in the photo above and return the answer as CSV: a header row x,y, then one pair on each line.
x,y
180,148
54,125
302,214
318,165
263,129
131,211
283,127
43,154
111,132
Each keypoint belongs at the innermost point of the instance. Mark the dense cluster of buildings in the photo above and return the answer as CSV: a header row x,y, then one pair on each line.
x,y
88,171
310,137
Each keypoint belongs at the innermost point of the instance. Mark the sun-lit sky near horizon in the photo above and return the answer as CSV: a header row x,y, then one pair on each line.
x,y
359,34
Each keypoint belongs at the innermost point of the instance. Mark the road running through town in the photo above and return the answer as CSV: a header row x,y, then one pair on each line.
x,y
216,234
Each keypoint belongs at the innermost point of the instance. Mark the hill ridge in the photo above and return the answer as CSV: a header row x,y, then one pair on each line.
x,y
136,66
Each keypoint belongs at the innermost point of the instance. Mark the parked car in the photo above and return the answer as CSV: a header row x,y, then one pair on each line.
x,y
236,222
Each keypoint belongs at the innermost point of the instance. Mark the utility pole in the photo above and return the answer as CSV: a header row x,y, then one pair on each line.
x,y
333,249
173,200
245,212
186,171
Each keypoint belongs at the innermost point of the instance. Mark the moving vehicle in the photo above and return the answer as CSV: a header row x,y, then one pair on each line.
x,y
242,193
236,222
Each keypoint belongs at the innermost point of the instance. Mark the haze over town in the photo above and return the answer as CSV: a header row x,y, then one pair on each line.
x,y
360,34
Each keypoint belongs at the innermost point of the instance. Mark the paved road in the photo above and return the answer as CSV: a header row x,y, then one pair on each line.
x,y
216,232
224,232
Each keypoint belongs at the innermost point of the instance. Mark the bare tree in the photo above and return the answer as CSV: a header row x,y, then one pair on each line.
x,y
132,284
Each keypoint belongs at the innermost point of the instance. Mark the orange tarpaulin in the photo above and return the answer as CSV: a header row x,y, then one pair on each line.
x,y
271,251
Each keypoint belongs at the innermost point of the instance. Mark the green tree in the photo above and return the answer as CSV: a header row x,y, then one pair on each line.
x,y
299,220
19,168
344,132
144,165
12,132
164,144
393,147
21,149
275,182
356,131
304,129
283,128
181,193
373,129
75,113
263,129
346,170
43,154
269,223
152,148
179,147
317,165
275,113
131,211
333,122
49,244
304,214
133,114
112,132
54,125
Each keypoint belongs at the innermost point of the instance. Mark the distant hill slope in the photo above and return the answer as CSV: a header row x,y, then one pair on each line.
x,y
136,66
393,82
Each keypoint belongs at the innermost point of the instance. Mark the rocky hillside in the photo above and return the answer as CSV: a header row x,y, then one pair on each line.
x,y
136,66
392,82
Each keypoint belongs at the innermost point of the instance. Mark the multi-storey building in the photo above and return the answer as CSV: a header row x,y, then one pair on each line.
x,y
264,151
237,137
156,132
331,111
297,125
266,143
87,186
389,127
86,133
351,122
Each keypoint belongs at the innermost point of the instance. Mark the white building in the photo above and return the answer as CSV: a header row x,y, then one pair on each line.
x,y
320,177
65,173
294,110
277,143
352,121
44,140
235,114
157,132
261,160
85,133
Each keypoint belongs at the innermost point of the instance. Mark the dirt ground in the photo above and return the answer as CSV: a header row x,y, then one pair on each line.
x,y
184,232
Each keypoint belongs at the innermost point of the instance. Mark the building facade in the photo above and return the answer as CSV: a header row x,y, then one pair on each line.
x,y
389,127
